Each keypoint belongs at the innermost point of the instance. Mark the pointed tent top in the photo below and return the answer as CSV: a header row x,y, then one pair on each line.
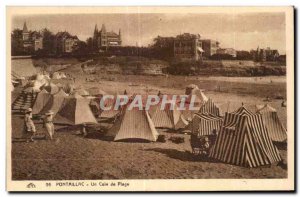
x,y
44,91
243,111
265,108
61,93
25,30
103,29
75,95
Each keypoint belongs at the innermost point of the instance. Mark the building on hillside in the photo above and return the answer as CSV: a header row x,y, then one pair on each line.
x,y
272,54
210,47
65,42
105,39
258,55
267,54
227,51
188,47
32,40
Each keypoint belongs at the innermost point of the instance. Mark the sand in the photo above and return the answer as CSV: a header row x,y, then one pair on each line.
x,y
72,157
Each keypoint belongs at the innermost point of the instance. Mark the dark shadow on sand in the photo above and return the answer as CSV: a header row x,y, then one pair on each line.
x,y
183,155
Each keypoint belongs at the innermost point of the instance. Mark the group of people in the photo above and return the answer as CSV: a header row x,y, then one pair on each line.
x,y
29,126
30,129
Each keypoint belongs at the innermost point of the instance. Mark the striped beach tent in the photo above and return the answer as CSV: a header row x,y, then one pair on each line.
x,y
276,130
54,103
40,101
205,124
243,140
25,100
209,107
133,124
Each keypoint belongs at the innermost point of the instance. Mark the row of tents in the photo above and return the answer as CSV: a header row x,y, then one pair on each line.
x,y
54,98
244,138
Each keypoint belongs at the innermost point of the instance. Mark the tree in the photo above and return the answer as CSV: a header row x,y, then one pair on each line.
x,y
243,55
89,44
48,41
17,42
163,47
81,49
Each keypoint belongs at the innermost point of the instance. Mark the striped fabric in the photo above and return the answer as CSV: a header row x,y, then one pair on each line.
x,y
209,107
133,124
275,128
204,124
24,101
244,141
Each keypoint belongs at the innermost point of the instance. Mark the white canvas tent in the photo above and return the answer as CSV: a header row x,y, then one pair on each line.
x,y
40,101
133,124
51,88
54,103
74,110
275,128
167,118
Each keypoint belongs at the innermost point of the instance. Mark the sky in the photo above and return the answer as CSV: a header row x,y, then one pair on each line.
x,y
240,31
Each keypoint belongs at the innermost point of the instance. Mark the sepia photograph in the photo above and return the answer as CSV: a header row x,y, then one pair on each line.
x,y
141,98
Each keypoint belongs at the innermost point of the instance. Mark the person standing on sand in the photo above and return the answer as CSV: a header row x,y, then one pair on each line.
x,y
29,125
48,123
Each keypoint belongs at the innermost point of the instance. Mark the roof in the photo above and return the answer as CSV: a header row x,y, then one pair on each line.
x,y
64,34
25,28
112,34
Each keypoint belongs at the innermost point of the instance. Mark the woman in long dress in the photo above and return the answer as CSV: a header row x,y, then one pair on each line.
x,y
48,123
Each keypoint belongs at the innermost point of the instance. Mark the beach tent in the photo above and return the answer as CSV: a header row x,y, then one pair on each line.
x,y
133,124
198,101
74,110
51,88
25,100
95,106
54,103
209,107
40,101
190,88
205,124
96,91
167,118
68,88
82,92
111,113
244,141
276,130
